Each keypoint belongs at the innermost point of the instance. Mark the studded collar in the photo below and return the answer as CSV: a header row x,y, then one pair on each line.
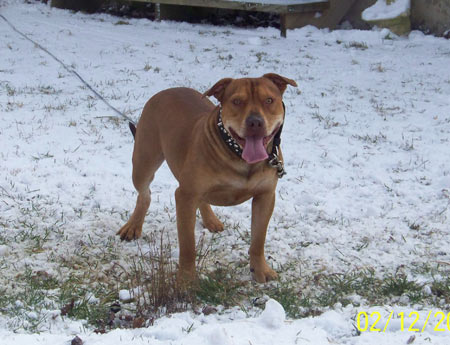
x,y
226,136
274,161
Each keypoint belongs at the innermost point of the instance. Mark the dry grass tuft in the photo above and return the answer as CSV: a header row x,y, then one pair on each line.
x,y
153,281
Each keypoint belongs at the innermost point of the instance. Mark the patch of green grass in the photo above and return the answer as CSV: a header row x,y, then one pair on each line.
x,y
30,90
327,121
260,56
88,288
220,287
371,139
302,297
52,107
376,290
357,45
48,90
29,305
441,289
159,293
290,296
397,285
78,301
10,90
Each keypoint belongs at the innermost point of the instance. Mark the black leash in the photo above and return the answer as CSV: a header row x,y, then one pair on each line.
x,y
131,123
274,161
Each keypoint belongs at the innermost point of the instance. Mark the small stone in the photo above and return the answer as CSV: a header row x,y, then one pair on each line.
x,y
112,317
411,339
259,301
115,307
208,310
138,322
67,309
77,341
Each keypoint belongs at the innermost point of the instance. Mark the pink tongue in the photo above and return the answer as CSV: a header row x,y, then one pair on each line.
x,y
254,150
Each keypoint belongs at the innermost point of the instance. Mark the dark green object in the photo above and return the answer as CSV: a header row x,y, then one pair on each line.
x,y
89,6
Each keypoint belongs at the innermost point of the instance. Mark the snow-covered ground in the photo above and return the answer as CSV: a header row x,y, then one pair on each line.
x,y
383,10
366,145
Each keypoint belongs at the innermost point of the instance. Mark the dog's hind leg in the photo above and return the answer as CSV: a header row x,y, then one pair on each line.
x,y
210,220
146,160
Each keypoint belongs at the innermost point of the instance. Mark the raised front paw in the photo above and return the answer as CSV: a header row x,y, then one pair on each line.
x,y
130,231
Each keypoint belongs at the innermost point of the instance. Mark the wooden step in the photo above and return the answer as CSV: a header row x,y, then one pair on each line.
x,y
287,9
274,6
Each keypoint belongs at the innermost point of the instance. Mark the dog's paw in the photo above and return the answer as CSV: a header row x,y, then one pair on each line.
x,y
263,273
187,278
129,232
213,224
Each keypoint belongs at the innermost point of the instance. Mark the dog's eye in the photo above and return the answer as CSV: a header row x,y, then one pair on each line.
x,y
237,101
269,100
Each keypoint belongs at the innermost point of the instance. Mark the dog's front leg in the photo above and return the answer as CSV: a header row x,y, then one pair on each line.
x,y
262,208
186,206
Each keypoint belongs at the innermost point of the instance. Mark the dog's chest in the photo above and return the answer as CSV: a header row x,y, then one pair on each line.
x,y
227,192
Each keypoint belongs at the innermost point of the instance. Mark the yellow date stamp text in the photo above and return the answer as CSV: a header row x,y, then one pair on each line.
x,y
373,322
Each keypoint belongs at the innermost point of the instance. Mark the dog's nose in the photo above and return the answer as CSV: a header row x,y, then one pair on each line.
x,y
255,125
254,121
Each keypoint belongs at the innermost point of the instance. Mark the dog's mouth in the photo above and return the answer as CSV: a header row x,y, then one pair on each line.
x,y
239,140
254,148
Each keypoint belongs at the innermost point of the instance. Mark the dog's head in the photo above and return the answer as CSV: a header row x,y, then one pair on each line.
x,y
252,111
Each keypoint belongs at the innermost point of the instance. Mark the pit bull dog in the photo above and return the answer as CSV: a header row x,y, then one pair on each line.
x,y
221,155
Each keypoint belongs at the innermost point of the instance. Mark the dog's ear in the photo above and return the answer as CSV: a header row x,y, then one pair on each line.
x,y
218,89
279,81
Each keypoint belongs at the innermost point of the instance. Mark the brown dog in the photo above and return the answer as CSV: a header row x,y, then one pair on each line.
x,y
218,154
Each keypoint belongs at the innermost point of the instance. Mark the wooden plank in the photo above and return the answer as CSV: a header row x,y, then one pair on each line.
x,y
275,6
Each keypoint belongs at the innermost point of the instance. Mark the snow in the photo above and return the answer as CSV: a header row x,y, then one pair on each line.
x,y
366,148
124,295
330,327
273,315
381,10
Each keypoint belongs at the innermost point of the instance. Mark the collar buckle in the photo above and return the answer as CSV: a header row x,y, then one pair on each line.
x,y
277,163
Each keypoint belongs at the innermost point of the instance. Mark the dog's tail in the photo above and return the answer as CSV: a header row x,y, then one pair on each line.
x,y
132,128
